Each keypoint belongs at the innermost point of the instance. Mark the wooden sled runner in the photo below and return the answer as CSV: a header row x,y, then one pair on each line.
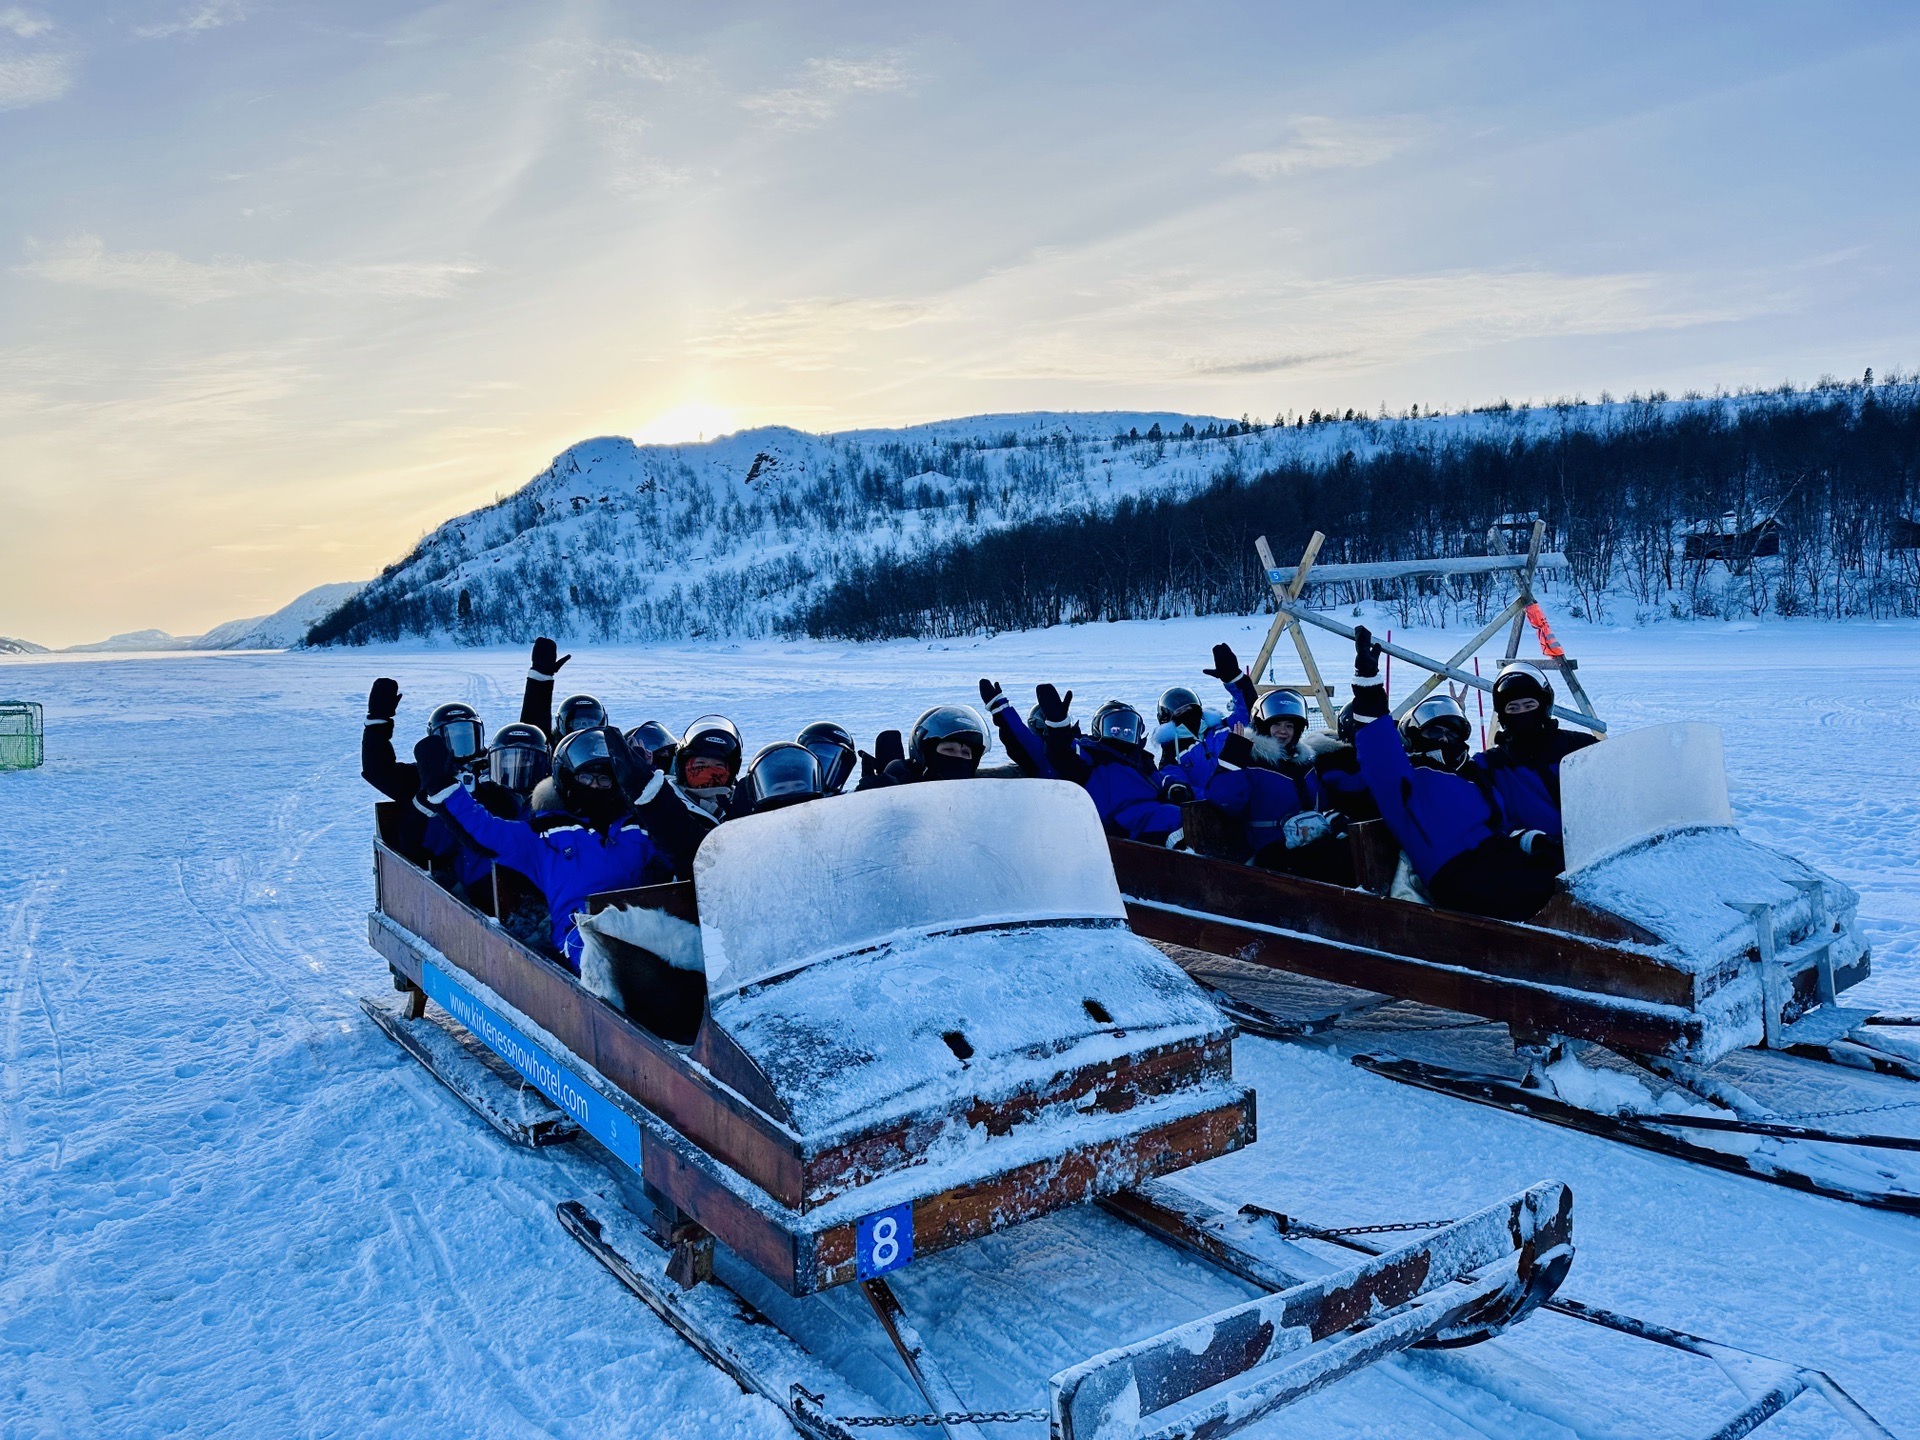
x,y
1676,943
924,1020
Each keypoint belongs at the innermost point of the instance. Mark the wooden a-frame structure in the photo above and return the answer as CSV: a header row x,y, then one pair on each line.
x,y
1292,614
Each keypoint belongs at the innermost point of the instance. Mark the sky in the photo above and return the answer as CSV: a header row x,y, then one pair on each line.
x,y
284,285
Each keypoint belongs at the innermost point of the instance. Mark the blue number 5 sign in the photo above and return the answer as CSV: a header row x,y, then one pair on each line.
x,y
884,1242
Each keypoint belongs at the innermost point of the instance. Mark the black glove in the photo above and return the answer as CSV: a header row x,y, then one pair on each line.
x,y
1366,653
869,768
632,766
383,700
547,658
899,772
887,748
1053,705
993,696
435,763
1177,793
1237,751
1226,665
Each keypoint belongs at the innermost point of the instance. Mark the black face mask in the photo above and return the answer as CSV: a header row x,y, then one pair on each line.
x,y
950,767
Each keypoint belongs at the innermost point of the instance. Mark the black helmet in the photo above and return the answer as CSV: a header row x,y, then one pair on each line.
x,y
579,712
711,737
1117,720
833,747
783,773
1182,707
1522,697
656,740
519,760
466,737
587,779
1278,705
944,726
1438,729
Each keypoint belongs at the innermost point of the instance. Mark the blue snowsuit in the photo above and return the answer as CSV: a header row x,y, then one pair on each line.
x,y
1263,799
1524,773
1436,816
568,863
1118,777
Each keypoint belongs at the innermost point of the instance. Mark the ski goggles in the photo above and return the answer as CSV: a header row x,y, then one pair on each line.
x,y
1127,726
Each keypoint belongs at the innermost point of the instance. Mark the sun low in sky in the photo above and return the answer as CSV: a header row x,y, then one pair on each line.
x,y
284,284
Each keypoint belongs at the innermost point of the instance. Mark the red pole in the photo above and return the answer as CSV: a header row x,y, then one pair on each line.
x,y
1480,700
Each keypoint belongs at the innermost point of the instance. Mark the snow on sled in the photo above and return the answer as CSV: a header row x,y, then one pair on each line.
x,y
921,1019
1675,941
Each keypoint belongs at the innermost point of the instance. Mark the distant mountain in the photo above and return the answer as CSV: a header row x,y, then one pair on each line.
x,y
135,640
11,646
282,630
285,627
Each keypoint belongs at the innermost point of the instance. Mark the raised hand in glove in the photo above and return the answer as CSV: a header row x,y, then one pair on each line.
x,y
547,658
632,765
1054,706
438,772
1226,665
993,696
383,700
887,748
1366,654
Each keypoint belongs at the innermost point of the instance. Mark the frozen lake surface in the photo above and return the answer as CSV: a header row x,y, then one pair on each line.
x,y
232,1207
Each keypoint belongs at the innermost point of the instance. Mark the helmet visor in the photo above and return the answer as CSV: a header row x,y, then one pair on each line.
x,y
1126,725
467,739
784,775
836,763
582,712
519,767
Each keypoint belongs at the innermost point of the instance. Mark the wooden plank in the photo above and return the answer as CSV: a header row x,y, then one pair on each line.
x,y
1412,657
1107,1089
968,1212
640,1064
1668,1031
1459,657
1290,593
1406,569
1495,948
1526,588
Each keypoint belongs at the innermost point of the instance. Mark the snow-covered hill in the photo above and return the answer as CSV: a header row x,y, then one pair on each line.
x,y
617,541
285,627
135,640
12,645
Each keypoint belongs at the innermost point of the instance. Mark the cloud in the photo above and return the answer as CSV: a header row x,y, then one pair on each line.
x,y
23,24
1318,142
631,169
207,15
1265,365
811,334
163,275
827,85
33,79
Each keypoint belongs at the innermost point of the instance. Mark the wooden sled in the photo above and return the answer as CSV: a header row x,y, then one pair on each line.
x,y
1675,943
925,1020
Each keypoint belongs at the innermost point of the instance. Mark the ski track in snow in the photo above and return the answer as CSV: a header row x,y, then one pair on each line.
x,y
233,1207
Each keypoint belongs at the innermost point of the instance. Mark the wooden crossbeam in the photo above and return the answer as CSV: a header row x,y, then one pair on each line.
x,y
1284,592
1407,569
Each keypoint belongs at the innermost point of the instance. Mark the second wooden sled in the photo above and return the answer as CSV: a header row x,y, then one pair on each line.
x,y
925,1020
1676,943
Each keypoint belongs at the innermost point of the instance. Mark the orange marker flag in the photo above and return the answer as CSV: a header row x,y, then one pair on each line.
x,y
1543,632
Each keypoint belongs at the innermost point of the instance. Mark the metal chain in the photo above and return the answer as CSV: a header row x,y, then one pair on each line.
x,y
1290,1223
1857,1110
952,1417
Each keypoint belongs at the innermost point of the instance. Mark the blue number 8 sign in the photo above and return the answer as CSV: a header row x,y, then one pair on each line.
x,y
884,1242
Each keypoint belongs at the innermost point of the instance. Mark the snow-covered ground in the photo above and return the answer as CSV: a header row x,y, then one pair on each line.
x,y
232,1207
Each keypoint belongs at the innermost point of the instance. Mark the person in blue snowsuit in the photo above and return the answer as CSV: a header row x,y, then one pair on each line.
x,y
1522,766
607,847
423,834
1450,826
1112,764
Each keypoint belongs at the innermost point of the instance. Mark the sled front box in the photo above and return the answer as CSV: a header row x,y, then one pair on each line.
x,y
769,1193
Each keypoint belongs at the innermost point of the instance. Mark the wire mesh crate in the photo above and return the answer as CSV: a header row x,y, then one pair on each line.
x,y
23,734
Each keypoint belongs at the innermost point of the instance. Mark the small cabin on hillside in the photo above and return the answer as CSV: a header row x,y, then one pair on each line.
x,y
1732,539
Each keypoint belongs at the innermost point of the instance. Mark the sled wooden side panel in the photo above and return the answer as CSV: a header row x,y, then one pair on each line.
x,y
1495,948
638,1063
